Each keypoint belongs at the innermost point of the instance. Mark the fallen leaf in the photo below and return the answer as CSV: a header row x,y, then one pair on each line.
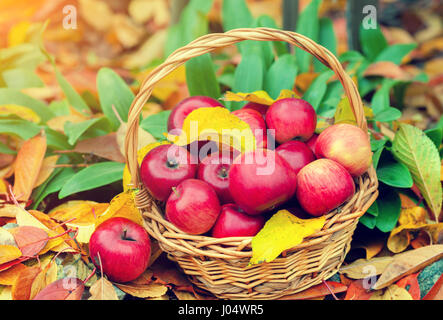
x,y
150,290
102,289
410,284
144,138
9,211
393,292
362,268
407,263
357,291
317,291
387,69
436,292
5,293
282,232
21,290
103,146
96,13
30,240
8,277
6,238
9,253
167,273
122,205
261,97
27,166
47,168
62,289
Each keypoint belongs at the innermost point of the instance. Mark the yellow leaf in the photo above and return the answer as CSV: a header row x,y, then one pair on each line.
x,y
9,276
215,124
27,166
165,87
122,205
3,186
102,289
20,111
282,232
344,113
47,168
9,253
140,155
144,137
261,97
393,292
5,293
285,93
17,34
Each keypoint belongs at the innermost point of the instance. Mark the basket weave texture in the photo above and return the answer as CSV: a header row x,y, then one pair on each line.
x,y
221,265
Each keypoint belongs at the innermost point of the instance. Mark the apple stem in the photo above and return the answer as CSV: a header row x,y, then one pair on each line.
x,y
175,191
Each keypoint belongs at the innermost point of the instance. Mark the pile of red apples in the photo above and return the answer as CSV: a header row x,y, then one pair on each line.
x,y
230,194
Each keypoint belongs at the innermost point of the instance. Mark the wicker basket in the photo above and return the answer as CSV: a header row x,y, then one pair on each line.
x,y
221,265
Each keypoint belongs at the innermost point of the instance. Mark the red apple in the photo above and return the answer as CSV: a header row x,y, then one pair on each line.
x,y
258,126
193,206
214,169
186,106
165,167
322,186
261,108
346,144
312,141
291,119
122,248
296,153
261,180
233,222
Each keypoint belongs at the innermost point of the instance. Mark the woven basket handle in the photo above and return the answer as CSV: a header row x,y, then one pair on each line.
x,y
210,42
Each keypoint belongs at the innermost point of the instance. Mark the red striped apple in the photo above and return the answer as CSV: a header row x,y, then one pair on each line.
x,y
322,186
296,153
261,108
258,126
165,167
121,248
291,119
346,144
233,222
312,142
261,180
186,106
193,206
214,169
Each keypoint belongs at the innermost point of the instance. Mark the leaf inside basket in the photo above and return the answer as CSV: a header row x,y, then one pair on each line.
x,y
282,232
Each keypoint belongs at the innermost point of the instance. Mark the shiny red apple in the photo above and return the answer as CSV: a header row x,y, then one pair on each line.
x,y
346,144
261,108
312,142
165,167
261,180
193,206
121,248
322,186
186,106
258,126
233,222
214,169
291,119
296,153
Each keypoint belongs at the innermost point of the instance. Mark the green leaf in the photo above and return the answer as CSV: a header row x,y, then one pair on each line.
x,y
376,157
235,14
60,108
201,78
281,75
266,21
381,98
395,53
393,173
56,140
21,128
156,124
75,130
327,39
368,220
389,206
113,91
21,78
94,176
418,153
203,6
436,135
14,96
314,94
307,25
373,209
351,56
73,97
387,114
373,42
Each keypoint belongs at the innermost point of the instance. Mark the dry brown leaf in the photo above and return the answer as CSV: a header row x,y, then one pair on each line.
x,y
103,289
27,166
388,70
103,146
362,268
127,32
9,211
318,291
47,168
184,295
96,13
393,292
9,276
151,290
408,262
21,290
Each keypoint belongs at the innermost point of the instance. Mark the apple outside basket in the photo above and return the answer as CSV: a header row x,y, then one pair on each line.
x,y
220,266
